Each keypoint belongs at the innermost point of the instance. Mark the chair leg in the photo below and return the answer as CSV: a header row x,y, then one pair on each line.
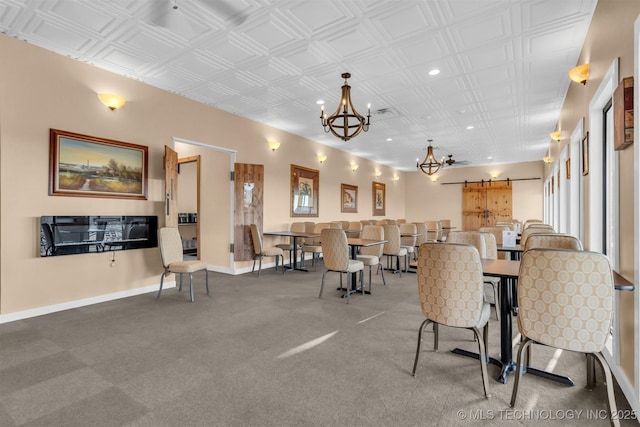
x,y
348,287
436,336
160,290
260,266
384,281
254,265
322,285
191,286
369,279
483,358
206,280
415,362
523,346
613,409
180,288
591,373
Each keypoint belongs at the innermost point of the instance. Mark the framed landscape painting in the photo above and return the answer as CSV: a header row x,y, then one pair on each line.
x,y
348,198
305,188
88,166
379,199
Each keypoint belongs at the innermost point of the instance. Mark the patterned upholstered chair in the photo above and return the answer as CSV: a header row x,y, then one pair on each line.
x,y
533,230
408,242
295,227
434,231
335,251
314,246
528,222
170,244
558,241
261,252
451,294
355,228
492,284
577,288
421,228
393,246
497,232
370,255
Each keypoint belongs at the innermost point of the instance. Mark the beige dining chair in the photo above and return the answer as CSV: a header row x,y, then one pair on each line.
x,y
297,227
577,288
393,248
434,231
314,245
408,242
170,244
451,293
355,228
371,255
421,229
529,231
555,240
335,251
497,232
260,252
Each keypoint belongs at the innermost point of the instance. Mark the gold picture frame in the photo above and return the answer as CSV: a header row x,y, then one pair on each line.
x,y
305,191
379,199
567,165
88,166
348,198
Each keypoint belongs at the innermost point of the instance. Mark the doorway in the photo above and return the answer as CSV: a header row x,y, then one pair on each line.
x,y
485,203
189,205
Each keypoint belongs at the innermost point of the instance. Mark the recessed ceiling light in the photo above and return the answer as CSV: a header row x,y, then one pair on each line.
x,y
434,72
389,139
489,158
469,127
319,102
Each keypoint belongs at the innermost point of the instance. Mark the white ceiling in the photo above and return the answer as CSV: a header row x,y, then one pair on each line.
x,y
503,63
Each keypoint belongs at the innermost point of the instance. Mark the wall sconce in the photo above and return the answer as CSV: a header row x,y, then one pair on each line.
x,y
396,178
434,178
556,136
580,74
322,158
274,145
378,174
494,175
546,159
112,101
354,167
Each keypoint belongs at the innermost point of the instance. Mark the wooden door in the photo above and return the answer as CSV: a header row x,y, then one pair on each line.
x,y
170,187
248,191
190,232
485,203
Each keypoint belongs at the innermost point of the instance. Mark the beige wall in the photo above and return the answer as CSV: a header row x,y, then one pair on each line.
x,y
428,200
602,46
42,90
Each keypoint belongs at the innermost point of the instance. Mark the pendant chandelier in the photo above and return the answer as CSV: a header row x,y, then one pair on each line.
x,y
429,165
343,123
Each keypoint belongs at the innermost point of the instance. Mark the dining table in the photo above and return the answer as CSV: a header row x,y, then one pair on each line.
x,y
355,243
515,252
294,235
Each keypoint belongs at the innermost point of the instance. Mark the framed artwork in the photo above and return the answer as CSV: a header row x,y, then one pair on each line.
x,y
305,188
585,154
379,202
348,198
567,166
88,166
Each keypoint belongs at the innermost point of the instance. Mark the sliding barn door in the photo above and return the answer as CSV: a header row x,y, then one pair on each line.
x,y
248,189
484,204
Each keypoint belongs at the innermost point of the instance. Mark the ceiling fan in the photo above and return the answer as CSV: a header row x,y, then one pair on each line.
x,y
164,12
450,161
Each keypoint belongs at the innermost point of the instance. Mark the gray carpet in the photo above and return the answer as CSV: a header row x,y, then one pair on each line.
x,y
267,352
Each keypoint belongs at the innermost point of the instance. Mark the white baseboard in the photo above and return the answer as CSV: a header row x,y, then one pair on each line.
x,y
25,314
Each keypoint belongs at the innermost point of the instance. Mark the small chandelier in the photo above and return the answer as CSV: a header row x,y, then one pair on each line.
x,y
429,165
344,124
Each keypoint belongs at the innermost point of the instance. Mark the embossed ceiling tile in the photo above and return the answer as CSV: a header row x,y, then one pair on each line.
x,y
269,34
350,44
196,64
83,15
119,61
317,16
305,58
148,45
540,14
51,36
488,56
228,52
482,30
403,19
173,79
552,40
428,50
